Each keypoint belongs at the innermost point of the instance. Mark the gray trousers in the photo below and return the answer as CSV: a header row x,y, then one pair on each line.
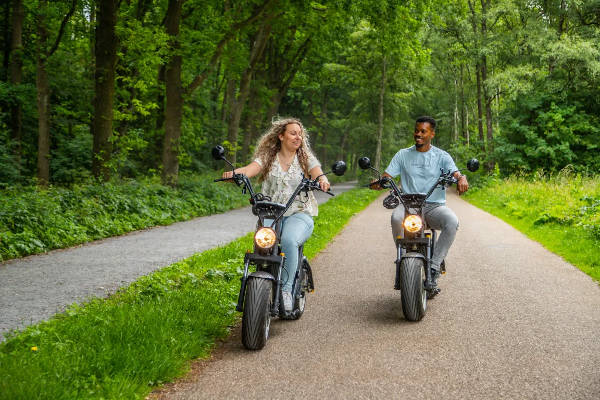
x,y
437,216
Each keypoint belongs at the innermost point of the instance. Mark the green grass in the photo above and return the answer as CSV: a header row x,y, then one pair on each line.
x,y
146,334
561,212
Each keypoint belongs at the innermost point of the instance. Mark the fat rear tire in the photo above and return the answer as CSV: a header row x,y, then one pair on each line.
x,y
413,293
256,320
300,301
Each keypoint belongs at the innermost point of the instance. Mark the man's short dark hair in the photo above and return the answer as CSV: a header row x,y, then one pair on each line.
x,y
426,118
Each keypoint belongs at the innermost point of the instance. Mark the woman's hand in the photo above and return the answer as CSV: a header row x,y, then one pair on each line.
x,y
324,183
227,175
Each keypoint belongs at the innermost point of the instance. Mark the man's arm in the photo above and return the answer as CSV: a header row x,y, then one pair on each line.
x,y
462,185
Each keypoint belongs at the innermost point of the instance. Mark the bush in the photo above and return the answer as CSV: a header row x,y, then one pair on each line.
x,y
33,220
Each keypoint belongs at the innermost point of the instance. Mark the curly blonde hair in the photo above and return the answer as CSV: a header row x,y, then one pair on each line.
x,y
269,145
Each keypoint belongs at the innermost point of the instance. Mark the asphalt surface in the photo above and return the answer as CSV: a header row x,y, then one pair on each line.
x,y
513,321
35,288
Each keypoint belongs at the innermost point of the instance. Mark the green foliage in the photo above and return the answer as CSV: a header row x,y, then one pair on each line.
x,y
145,334
561,211
34,220
548,136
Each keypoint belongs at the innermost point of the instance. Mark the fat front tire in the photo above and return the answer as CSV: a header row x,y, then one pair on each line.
x,y
413,293
256,320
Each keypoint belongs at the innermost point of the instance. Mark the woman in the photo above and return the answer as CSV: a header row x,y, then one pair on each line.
x,y
281,157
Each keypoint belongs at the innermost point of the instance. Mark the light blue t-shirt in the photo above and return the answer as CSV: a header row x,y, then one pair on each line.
x,y
420,170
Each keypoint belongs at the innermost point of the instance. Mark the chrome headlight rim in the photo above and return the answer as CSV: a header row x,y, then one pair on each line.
x,y
413,223
265,238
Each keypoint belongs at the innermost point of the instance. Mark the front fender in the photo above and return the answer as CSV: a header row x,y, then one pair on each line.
x,y
262,275
413,254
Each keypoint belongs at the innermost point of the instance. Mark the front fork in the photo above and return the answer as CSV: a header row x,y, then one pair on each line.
x,y
429,253
244,280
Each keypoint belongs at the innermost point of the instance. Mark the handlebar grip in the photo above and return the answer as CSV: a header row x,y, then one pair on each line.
x,y
222,179
329,193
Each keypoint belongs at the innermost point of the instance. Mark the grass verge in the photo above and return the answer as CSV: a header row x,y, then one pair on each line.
x,y
146,334
561,212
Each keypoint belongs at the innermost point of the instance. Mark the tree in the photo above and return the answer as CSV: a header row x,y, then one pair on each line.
x,y
43,87
16,74
106,45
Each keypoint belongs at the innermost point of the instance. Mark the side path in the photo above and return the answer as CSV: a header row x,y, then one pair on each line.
x,y
513,321
35,288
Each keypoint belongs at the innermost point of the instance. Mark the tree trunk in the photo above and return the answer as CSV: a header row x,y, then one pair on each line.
x,y
252,122
6,35
258,47
463,123
455,125
381,116
16,74
43,88
106,59
342,145
283,67
479,105
174,89
43,95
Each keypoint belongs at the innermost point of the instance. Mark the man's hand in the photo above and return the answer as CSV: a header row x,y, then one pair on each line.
x,y
462,185
378,186
375,186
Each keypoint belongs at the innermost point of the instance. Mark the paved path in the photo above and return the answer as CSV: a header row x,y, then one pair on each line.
x,y
513,321
35,288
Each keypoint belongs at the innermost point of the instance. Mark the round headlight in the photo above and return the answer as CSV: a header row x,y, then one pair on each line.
x,y
265,238
413,223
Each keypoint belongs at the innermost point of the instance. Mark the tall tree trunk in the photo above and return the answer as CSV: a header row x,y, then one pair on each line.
x,y
282,82
455,125
106,59
381,116
488,117
43,88
43,95
342,145
252,122
174,89
479,105
258,47
463,128
6,35
16,74
488,99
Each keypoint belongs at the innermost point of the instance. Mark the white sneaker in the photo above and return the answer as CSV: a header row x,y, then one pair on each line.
x,y
287,301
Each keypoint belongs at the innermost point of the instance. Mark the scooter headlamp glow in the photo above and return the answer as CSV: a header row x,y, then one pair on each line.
x,y
265,238
413,223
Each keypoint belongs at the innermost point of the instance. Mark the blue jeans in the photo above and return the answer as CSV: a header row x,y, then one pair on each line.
x,y
296,229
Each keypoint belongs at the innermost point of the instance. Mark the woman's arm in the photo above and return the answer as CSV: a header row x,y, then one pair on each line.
x,y
249,170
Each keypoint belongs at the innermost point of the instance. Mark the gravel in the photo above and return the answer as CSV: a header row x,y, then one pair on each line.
x,y
34,288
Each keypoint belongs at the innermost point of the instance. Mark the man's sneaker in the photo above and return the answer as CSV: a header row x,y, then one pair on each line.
x,y
287,301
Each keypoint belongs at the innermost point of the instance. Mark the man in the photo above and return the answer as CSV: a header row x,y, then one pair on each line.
x,y
419,168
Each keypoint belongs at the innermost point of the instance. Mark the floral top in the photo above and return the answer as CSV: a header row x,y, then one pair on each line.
x,y
279,185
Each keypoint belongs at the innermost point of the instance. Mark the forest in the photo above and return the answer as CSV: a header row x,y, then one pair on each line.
x,y
101,90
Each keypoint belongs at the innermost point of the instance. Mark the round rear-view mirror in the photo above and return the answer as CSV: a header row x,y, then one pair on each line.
x,y
364,163
218,152
339,168
473,164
